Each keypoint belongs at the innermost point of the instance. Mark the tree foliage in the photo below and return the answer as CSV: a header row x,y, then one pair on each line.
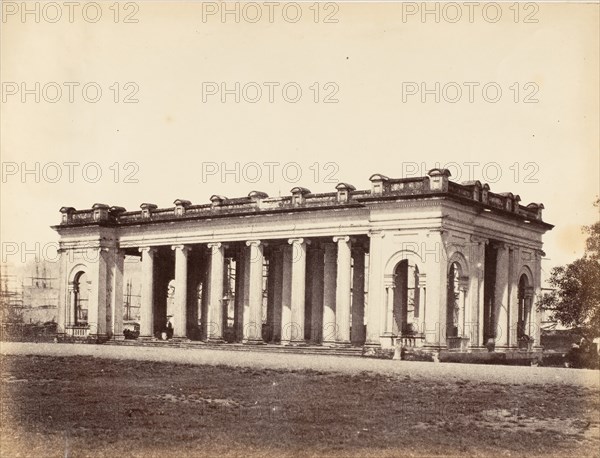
x,y
575,299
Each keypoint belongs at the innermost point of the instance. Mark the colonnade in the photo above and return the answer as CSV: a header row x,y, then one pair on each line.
x,y
322,280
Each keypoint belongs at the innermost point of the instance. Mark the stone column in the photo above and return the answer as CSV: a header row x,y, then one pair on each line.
x,y
226,298
389,309
536,317
117,294
194,278
214,323
529,313
376,300
513,296
71,305
181,274
270,296
238,316
463,312
253,329
358,297
317,272
63,293
147,293
342,292
246,290
329,293
286,294
205,297
501,296
277,293
422,285
298,289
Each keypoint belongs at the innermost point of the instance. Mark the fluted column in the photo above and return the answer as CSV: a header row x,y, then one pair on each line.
x,y
358,297
253,329
214,323
329,287
317,268
180,302
342,293
147,292
297,301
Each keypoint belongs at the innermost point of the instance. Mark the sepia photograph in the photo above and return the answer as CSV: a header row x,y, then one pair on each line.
x,y
299,229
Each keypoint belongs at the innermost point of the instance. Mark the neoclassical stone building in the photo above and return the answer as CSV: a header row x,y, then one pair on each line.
x,y
428,261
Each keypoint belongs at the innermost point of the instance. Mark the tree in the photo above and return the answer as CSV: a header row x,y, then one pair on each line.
x,y
575,299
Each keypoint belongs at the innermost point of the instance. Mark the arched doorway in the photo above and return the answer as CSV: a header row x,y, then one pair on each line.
x,y
525,294
406,299
81,294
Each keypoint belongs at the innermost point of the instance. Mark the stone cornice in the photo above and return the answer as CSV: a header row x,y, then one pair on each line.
x,y
405,192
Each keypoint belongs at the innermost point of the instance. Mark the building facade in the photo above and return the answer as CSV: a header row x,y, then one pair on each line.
x,y
426,261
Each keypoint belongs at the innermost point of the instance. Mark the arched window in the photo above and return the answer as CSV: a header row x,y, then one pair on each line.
x,y
80,297
524,311
406,298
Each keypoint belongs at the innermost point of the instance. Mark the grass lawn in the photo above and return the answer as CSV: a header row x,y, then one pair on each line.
x,y
66,406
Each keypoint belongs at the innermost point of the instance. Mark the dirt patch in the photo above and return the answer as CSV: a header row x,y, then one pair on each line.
x,y
95,407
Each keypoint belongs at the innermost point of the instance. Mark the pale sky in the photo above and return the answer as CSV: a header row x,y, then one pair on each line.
x,y
369,61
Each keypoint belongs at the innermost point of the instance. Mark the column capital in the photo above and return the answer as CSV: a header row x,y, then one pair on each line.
x,y
341,238
500,245
183,248
296,241
478,239
147,249
376,234
253,243
216,245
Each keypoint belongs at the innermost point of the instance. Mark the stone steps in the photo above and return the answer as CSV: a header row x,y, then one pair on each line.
x,y
269,348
